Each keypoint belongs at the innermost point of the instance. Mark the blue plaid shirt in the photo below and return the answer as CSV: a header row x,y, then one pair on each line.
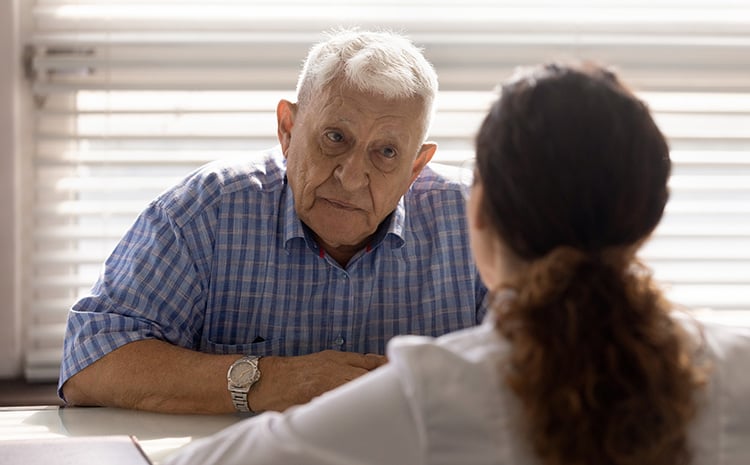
x,y
222,264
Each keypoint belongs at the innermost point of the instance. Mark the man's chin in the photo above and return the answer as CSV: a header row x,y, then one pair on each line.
x,y
343,240
343,243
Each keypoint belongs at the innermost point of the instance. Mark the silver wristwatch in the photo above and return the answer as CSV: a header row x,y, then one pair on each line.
x,y
241,376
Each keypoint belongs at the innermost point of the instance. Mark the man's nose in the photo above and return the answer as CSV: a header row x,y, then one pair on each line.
x,y
353,170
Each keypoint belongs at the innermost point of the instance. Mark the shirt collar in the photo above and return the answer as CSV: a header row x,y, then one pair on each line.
x,y
291,224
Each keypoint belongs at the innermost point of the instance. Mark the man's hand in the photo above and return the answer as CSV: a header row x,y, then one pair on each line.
x,y
288,381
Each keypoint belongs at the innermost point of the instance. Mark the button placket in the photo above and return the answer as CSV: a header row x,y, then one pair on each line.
x,y
342,309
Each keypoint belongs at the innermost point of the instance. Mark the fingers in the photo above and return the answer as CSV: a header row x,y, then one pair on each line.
x,y
373,361
365,361
287,381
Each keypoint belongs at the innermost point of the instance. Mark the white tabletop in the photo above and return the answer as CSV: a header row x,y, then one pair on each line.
x,y
158,434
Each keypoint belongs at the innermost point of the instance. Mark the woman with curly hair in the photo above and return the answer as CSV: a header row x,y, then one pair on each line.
x,y
582,360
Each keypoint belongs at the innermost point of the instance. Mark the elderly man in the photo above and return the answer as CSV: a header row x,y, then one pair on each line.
x,y
260,285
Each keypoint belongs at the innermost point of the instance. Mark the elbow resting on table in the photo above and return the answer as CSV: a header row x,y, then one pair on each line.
x,y
71,394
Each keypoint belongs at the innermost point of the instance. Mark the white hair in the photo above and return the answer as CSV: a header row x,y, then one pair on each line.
x,y
380,62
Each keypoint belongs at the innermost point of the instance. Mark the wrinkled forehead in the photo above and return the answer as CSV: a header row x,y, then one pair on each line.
x,y
339,95
344,101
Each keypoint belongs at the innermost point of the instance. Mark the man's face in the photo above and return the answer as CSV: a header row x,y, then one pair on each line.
x,y
350,157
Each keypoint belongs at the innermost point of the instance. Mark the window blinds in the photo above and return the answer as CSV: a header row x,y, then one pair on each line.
x,y
132,95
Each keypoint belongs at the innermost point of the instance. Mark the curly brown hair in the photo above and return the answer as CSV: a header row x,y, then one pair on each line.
x,y
575,174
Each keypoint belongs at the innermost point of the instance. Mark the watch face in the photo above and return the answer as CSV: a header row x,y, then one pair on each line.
x,y
243,374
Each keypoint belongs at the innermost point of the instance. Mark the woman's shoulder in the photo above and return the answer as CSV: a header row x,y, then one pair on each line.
x,y
718,337
455,388
460,369
722,424
470,344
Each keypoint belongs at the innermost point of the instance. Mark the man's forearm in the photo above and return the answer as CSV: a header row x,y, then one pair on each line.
x,y
156,376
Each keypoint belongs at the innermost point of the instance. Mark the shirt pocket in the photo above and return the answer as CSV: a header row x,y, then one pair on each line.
x,y
263,348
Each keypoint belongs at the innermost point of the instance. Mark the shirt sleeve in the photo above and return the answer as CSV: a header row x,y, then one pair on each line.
x,y
150,287
367,421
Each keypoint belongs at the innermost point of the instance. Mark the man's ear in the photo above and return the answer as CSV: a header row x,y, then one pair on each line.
x,y
286,111
425,154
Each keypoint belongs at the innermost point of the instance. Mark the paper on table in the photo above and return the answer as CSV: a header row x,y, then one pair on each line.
x,y
81,450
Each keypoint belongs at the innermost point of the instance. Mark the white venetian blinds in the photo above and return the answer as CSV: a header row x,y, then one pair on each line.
x,y
132,95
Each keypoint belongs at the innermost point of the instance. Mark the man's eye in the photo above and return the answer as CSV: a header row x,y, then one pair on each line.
x,y
388,152
334,136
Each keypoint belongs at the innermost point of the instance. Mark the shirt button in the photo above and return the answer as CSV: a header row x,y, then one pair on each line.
x,y
339,341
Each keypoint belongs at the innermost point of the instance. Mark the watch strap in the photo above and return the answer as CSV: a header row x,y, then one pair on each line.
x,y
239,399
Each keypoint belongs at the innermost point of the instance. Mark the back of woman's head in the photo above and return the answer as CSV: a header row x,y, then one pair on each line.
x,y
571,158
574,173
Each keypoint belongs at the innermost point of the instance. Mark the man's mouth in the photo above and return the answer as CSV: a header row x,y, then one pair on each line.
x,y
341,205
